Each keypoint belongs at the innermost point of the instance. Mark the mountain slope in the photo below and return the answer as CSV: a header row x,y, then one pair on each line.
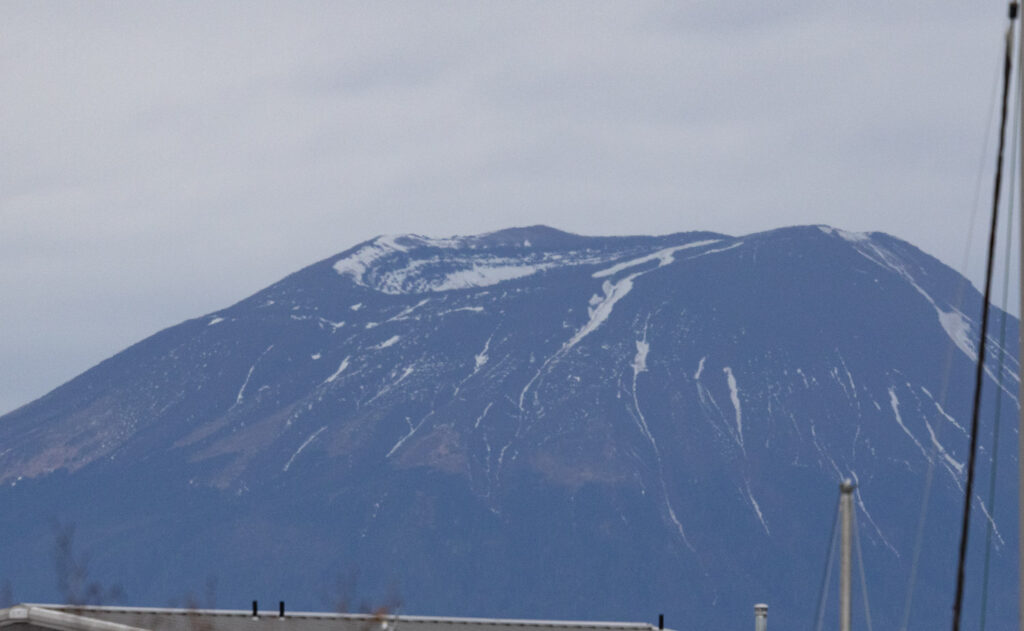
x,y
527,423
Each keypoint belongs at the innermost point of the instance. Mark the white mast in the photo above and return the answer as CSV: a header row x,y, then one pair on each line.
x,y
845,558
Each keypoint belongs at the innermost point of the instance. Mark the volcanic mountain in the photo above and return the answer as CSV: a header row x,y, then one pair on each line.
x,y
531,423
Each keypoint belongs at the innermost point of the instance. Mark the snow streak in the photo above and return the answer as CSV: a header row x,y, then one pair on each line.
x,y
735,396
949,460
302,446
241,391
487,409
664,257
895,403
956,325
341,369
757,510
640,366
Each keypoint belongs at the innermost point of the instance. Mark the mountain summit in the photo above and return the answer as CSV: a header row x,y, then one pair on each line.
x,y
527,423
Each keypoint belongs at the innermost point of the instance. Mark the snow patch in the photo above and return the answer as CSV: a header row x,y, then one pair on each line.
x,y
958,328
481,357
334,325
315,356
734,395
640,361
485,276
852,237
215,320
700,368
357,263
602,308
432,272
388,342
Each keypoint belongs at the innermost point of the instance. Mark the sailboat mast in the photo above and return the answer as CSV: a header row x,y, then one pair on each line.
x,y
1020,329
845,545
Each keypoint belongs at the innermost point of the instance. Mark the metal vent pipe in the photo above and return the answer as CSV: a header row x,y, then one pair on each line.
x,y
760,617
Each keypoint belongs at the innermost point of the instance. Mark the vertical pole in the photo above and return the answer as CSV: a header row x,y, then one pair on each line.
x,y
845,547
760,617
1020,338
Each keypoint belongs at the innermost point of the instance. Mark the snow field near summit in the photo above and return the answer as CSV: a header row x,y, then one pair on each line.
x,y
427,265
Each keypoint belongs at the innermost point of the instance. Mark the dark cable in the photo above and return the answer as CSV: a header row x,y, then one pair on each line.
x,y
1002,357
979,374
951,348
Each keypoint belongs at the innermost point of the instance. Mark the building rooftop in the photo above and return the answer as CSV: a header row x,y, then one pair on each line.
x,y
33,617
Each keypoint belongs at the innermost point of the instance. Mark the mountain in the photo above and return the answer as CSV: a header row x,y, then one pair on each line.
x,y
531,423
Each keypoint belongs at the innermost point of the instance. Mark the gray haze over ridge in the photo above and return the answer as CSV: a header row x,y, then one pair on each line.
x,y
163,161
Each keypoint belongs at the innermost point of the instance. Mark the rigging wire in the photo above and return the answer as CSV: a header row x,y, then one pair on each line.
x,y
980,372
863,578
823,592
1014,156
951,348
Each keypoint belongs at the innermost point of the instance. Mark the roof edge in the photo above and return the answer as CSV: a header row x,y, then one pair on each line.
x,y
60,620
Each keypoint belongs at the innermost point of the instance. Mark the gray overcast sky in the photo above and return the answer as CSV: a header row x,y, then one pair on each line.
x,y
163,160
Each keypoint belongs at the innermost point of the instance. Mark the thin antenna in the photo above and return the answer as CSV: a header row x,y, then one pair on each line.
x,y
979,374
